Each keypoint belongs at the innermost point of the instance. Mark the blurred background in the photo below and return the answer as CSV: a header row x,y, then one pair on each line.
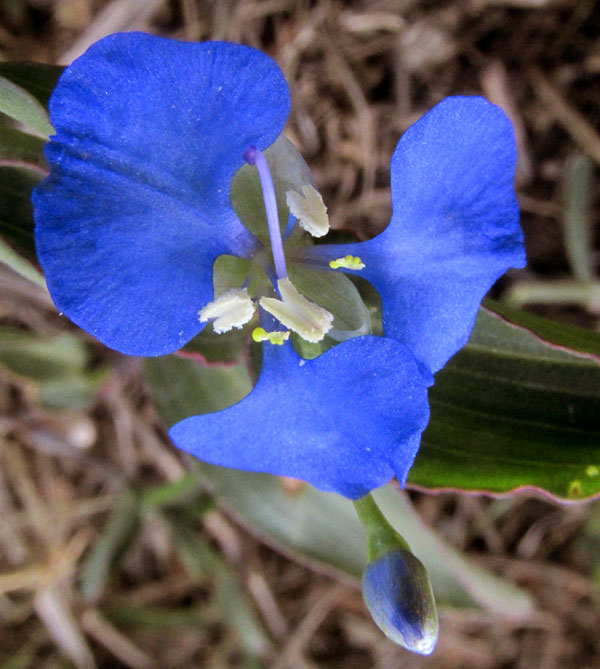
x,y
109,555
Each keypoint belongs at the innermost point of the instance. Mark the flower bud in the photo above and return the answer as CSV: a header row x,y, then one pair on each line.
x,y
398,594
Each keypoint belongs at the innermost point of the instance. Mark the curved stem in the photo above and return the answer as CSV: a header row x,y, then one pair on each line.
x,y
381,536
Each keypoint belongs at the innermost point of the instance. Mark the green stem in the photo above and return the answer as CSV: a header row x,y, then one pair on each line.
x,y
381,536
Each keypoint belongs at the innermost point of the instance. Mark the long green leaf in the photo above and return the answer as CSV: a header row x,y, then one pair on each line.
x,y
20,265
57,364
41,358
23,107
37,79
115,538
323,528
515,408
22,150
571,338
577,193
16,211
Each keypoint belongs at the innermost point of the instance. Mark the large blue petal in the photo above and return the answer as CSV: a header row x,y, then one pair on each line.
x,y
454,229
149,133
346,422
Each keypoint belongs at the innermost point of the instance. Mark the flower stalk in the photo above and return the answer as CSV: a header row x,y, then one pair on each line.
x,y
395,584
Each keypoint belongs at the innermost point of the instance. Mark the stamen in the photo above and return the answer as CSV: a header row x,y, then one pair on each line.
x,y
254,157
308,319
232,310
309,209
347,262
276,337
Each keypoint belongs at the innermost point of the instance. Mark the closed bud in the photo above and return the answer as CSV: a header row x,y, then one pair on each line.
x,y
398,594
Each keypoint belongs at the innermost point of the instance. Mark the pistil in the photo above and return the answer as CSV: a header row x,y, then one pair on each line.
x,y
254,157
293,310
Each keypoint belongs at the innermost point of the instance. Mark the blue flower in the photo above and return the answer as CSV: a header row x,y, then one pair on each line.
x,y
149,135
398,594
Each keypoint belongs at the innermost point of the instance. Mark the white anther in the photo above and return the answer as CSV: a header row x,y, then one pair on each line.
x,y
232,310
308,319
309,209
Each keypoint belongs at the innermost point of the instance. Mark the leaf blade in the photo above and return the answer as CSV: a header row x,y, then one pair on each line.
x,y
24,108
517,408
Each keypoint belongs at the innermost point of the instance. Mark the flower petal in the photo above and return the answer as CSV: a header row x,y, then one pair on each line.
x,y
454,231
346,421
149,133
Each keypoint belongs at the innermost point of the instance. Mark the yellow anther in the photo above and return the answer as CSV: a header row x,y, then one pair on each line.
x,y
348,262
276,337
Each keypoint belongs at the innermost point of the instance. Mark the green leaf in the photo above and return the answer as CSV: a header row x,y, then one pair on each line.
x,y
56,363
41,358
115,538
184,387
20,265
171,493
23,107
560,335
324,528
76,392
16,211
18,149
123,613
37,79
515,409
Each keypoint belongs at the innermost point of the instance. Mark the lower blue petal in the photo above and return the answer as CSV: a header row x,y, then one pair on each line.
x,y
345,422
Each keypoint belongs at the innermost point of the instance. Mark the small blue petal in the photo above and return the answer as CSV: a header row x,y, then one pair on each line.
x,y
398,595
346,421
149,133
454,229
